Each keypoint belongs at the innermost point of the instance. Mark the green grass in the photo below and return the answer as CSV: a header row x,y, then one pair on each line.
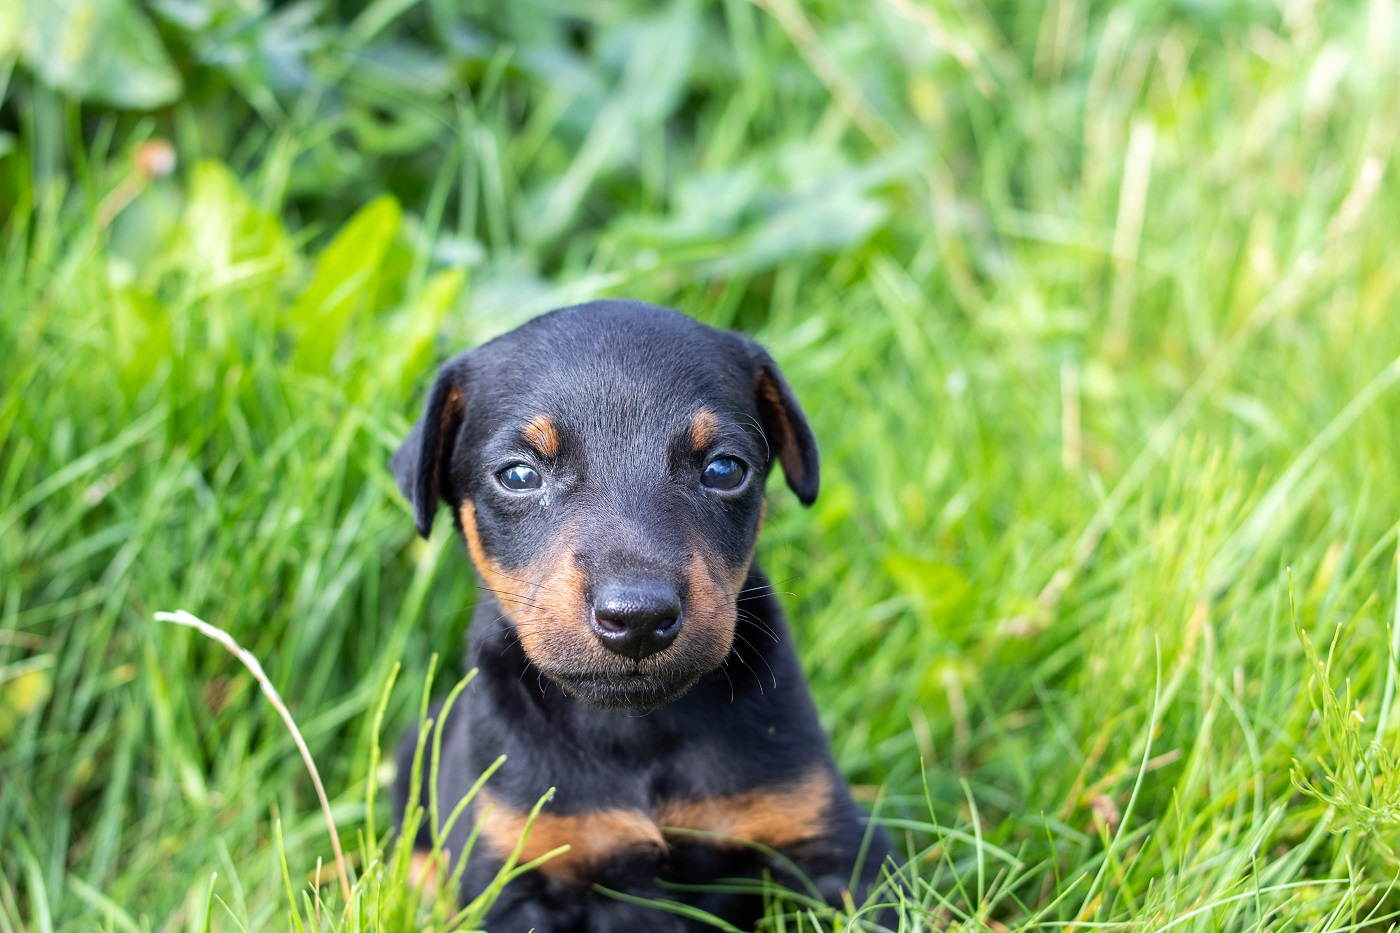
x,y
1093,308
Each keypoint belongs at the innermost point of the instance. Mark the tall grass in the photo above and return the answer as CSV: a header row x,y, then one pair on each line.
x,y
1092,307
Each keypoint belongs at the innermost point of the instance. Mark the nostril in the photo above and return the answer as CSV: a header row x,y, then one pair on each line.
x,y
607,623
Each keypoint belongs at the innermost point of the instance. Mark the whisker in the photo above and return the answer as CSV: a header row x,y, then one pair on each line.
x,y
538,584
759,624
766,587
746,599
745,417
516,596
724,669
771,674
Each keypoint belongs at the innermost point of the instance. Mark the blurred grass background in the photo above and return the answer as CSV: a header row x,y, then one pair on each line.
x,y
1093,307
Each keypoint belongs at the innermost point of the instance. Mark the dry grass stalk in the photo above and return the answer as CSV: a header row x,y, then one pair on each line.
x,y
181,617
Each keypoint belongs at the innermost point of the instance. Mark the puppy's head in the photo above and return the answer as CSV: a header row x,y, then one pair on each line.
x,y
606,466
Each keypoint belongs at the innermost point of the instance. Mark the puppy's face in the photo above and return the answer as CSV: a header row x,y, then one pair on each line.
x,y
606,466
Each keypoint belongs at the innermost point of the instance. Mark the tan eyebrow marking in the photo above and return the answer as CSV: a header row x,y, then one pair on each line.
x,y
703,428
541,434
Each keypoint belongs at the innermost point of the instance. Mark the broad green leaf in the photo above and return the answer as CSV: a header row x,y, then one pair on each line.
x,y
233,245
425,318
225,226
346,281
11,16
101,50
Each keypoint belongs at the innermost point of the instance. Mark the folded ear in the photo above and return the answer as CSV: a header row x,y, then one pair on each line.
x,y
421,460
784,424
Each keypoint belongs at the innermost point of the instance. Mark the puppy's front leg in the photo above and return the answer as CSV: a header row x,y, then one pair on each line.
x,y
607,915
519,909
532,908
829,864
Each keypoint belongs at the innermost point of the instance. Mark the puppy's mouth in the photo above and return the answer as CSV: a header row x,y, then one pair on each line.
x,y
635,690
571,656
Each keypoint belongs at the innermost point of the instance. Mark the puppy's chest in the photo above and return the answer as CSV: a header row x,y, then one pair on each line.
x,y
654,828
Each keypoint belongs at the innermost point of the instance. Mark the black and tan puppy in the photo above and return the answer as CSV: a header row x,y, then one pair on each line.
x,y
606,466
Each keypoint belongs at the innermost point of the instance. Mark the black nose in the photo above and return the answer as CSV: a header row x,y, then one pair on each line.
x,y
636,619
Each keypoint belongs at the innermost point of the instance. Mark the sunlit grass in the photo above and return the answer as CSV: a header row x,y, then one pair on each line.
x,y
1093,311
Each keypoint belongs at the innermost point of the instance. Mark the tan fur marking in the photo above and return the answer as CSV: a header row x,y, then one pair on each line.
x,y
426,872
452,408
544,600
774,817
704,427
559,606
541,434
491,573
711,608
788,452
591,837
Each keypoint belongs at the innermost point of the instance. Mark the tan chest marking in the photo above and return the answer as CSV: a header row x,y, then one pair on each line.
x,y
775,817
592,837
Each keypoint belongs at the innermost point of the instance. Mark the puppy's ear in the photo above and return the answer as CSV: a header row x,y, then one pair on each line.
x,y
784,424
421,461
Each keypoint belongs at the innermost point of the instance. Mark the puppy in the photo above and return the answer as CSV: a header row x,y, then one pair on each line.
x,y
605,465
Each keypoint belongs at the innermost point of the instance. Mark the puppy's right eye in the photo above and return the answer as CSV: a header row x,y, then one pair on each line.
x,y
725,474
519,477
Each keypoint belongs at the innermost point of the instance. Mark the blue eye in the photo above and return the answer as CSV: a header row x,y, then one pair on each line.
x,y
520,478
724,473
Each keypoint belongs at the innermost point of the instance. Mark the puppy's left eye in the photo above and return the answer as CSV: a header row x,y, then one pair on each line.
x,y
724,473
520,478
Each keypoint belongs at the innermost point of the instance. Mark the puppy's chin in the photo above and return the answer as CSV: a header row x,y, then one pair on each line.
x,y
633,691
606,681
